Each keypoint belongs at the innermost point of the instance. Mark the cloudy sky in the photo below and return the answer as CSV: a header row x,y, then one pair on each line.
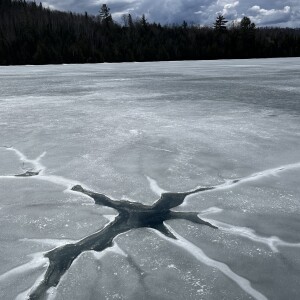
x,y
284,13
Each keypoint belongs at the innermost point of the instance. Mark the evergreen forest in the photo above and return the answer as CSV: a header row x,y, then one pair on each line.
x,y
33,34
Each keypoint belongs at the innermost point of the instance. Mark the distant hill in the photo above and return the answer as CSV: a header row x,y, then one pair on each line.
x,y
32,34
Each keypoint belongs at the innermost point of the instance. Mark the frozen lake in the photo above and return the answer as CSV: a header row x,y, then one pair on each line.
x,y
222,137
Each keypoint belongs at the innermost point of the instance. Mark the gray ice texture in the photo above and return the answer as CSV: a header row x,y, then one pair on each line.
x,y
133,131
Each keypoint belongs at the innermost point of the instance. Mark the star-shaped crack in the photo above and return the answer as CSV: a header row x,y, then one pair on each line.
x,y
131,215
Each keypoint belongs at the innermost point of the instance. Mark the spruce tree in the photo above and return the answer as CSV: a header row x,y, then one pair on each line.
x,y
220,23
104,14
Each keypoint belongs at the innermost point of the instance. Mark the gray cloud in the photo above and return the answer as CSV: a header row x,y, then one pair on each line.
x,y
262,12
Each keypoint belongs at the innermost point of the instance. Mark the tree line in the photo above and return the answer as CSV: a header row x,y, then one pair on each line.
x,y
33,34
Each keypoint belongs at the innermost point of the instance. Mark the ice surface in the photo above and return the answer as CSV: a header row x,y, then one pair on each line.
x,y
134,131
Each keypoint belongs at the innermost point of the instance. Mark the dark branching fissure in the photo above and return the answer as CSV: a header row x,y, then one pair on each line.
x,y
131,215
28,174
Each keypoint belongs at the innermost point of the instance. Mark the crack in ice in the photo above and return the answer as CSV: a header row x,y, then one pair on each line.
x,y
37,166
272,242
156,189
38,171
198,253
256,176
38,260
133,215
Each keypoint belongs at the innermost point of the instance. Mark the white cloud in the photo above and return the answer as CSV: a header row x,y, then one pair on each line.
x,y
262,12
232,5
270,16
229,9
48,5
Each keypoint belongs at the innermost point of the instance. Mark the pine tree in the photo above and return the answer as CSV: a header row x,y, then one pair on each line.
x,y
144,21
220,23
104,14
130,22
